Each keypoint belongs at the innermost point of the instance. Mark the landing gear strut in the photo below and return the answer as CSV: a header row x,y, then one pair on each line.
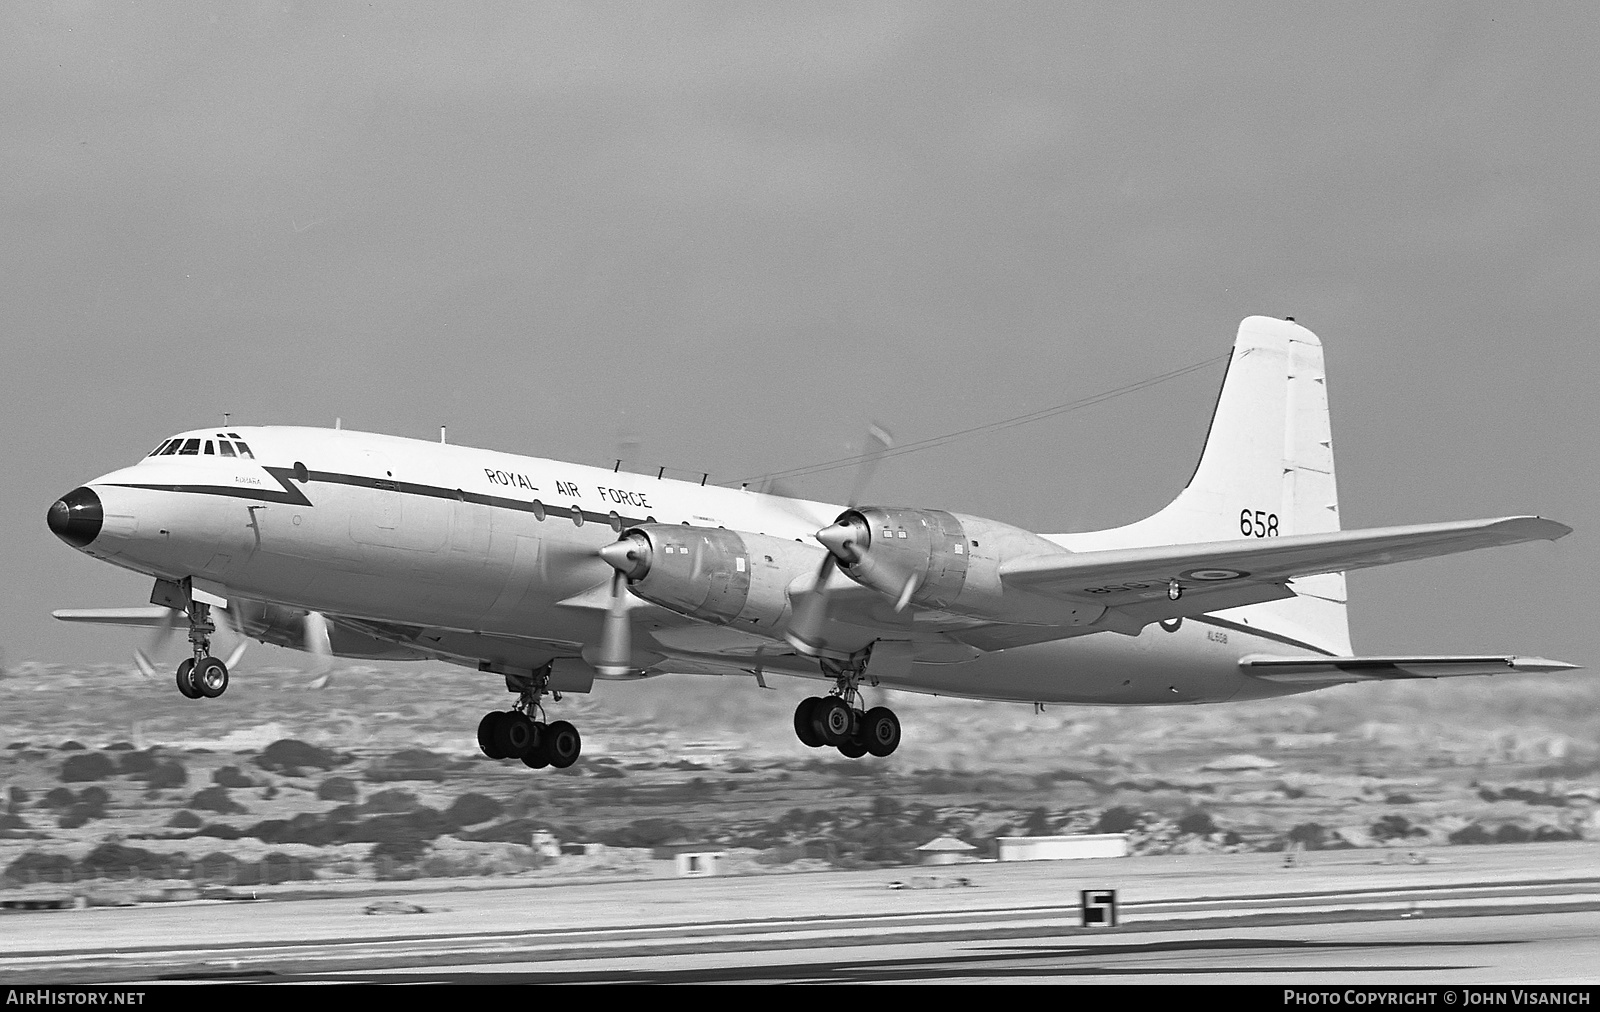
x,y
837,721
517,734
201,676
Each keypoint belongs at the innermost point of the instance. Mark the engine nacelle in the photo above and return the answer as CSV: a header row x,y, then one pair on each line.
x,y
931,558
716,575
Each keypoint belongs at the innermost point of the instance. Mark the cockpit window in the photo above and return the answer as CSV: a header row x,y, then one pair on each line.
x,y
210,450
226,447
172,447
244,451
190,446
161,446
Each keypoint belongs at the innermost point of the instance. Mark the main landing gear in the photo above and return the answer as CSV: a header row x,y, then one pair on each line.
x,y
837,720
516,734
201,676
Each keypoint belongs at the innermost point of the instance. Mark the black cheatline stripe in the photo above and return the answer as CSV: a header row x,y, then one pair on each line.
x,y
293,496
1223,623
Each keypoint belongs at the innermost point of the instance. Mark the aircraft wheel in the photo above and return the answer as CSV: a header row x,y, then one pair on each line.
x,y
852,749
186,679
210,677
803,728
493,747
486,734
833,720
881,731
513,734
537,757
565,744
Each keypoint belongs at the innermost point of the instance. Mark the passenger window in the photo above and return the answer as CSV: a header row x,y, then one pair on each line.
x,y
190,447
577,517
538,511
226,447
209,451
244,451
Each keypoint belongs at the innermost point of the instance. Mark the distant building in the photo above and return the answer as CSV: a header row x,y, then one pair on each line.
x,y
945,850
700,864
1062,848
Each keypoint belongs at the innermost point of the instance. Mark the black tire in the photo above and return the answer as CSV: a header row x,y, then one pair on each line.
x,y
852,749
522,734
880,730
210,677
538,755
186,679
513,734
495,748
803,728
834,721
565,744
486,734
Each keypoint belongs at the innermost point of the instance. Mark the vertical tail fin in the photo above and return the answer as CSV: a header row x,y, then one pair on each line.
x,y
1266,469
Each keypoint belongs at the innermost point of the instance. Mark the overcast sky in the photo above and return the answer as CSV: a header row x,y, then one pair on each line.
x,y
735,234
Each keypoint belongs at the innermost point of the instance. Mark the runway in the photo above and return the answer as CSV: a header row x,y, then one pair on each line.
x,y
1525,914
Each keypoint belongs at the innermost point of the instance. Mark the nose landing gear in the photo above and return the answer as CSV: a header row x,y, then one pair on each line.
x,y
837,721
201,676
516,734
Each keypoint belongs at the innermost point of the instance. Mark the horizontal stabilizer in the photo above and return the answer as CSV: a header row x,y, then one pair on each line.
x,y
143,618
1124,575
1329,670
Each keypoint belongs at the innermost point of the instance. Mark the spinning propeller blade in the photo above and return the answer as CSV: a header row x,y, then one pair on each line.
x,y
616,633
155,644
318,646
224,620
806,626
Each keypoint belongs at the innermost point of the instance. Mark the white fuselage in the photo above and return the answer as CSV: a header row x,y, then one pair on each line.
x,y
489,556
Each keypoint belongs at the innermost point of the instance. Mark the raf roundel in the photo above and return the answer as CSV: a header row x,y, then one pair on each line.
x,y
1213,575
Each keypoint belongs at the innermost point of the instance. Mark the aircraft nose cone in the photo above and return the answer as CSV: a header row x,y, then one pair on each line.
x,y
76,517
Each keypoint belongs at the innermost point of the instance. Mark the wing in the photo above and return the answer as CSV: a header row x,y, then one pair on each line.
x,y
1136,584
1331,670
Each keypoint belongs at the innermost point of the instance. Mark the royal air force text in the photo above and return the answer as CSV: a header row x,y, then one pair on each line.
x,y
620,496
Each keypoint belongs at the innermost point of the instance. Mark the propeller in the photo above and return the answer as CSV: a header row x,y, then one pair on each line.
x,y
320,648
224,619
630,558
840,539
158,640
161,635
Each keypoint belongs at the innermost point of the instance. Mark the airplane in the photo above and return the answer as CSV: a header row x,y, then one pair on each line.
x,y
555,575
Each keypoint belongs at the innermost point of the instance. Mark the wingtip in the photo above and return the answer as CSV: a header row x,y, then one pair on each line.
x,y
1535,528
1556,527
1543,664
